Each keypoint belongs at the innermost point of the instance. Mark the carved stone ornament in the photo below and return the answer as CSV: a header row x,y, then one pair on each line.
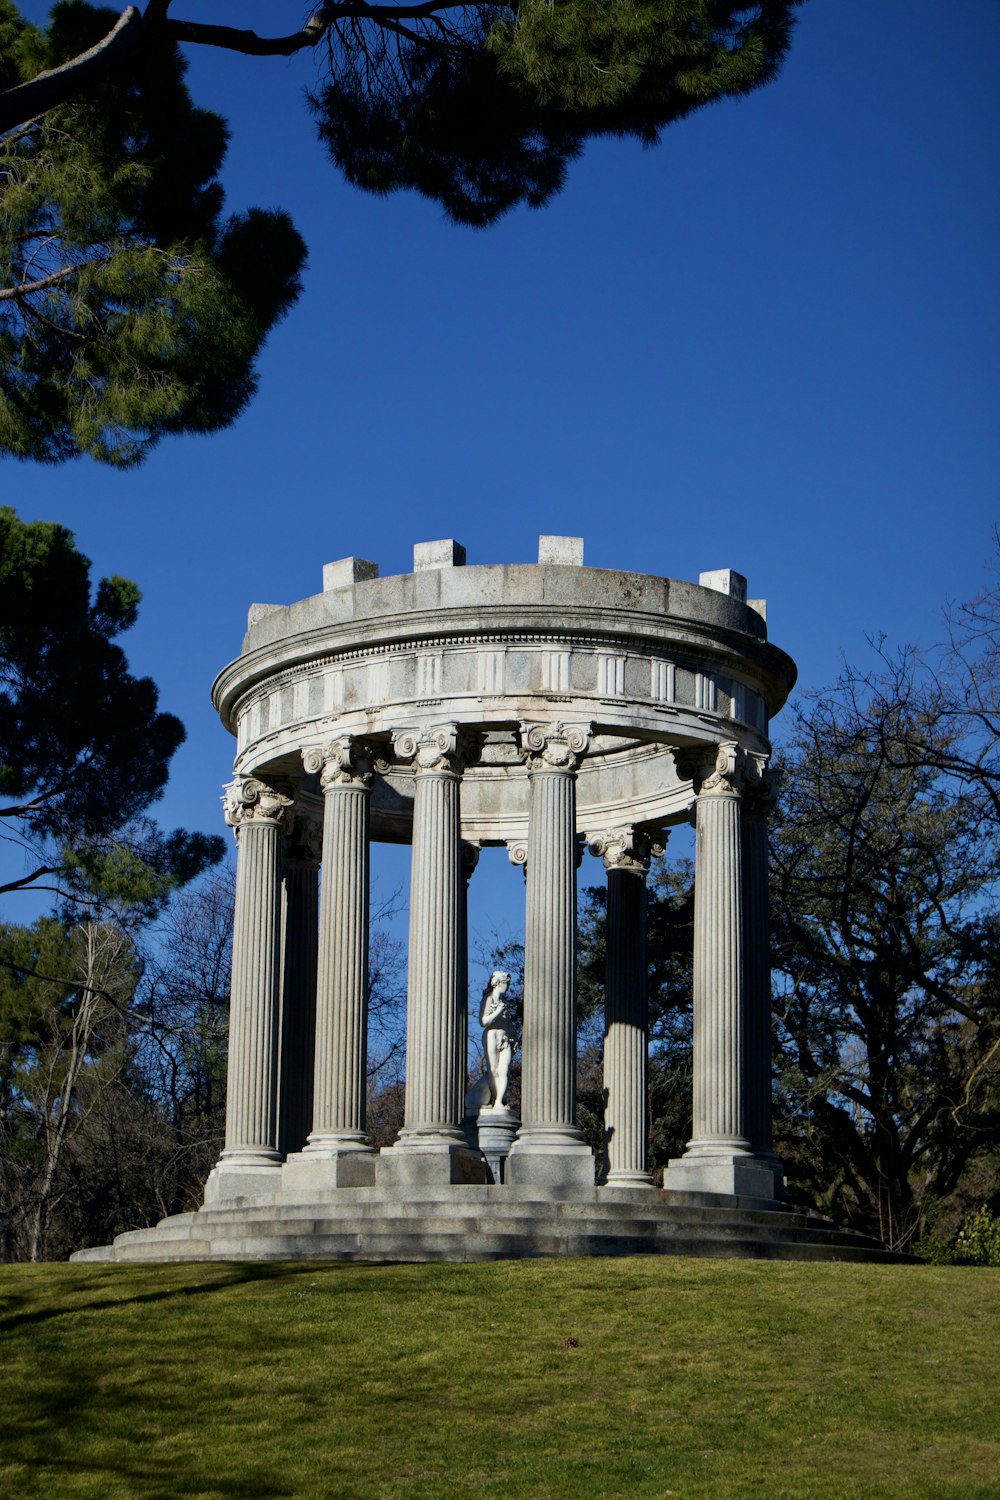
x,y
345,761
554,747
247,801
722,771
469,852
441,749
304,843
517,852
763,786
629,849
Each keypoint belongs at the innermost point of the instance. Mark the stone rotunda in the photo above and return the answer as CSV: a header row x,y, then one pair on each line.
x,y
544,708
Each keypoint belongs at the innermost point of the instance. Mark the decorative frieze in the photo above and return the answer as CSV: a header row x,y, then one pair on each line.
x,y
610,676
663,681
556,672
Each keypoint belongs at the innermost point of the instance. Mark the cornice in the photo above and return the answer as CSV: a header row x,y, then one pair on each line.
x,y
693,644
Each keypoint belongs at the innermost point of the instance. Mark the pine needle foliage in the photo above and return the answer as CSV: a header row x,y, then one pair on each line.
x,y
129,308
485,108
84,747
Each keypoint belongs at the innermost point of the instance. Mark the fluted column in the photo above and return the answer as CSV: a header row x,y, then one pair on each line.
x,y
757,804
260,815
338,1153
626,855
470,859
550,1148
719,1157
299,936
432,1136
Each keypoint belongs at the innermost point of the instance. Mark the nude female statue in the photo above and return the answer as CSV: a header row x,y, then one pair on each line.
x,y
498,1036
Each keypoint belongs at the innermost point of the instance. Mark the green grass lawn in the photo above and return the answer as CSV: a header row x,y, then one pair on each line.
x,y
551,1379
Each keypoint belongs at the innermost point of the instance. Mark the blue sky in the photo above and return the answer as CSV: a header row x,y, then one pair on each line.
x,y
768,344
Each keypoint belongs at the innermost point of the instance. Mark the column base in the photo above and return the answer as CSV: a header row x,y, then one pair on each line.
x,y
229,1181
550,1158
741,1176
330,1164
429,1163
628,1179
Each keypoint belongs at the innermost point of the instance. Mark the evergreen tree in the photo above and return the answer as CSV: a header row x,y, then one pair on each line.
x,y
84,749
129,309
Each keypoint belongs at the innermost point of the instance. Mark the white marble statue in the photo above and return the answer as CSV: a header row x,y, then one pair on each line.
x,y
489,1091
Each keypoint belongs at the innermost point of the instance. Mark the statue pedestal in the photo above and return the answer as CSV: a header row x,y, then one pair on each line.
x,y
492,1132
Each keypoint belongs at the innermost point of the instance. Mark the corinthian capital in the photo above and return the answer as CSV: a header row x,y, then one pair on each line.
x,y
763,786
629,849
345,761
249,802
554,747
720,770
442,748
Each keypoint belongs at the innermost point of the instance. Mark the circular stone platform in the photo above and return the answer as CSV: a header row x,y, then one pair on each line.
x,y
488,1223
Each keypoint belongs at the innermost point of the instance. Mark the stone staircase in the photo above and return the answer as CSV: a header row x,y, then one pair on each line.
x,y
479,1223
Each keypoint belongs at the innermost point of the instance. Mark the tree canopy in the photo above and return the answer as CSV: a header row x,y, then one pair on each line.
x,y
887,992
130,309
84,748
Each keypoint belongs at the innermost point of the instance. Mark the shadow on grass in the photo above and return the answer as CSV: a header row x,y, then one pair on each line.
x,y
65,1430
239,1274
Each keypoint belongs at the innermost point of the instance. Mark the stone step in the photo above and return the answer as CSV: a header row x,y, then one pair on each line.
x,y
416,1248
488,1222
440,1215
477,1222
528,1210
462,1236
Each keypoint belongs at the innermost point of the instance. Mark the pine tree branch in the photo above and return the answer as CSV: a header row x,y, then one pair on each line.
x,y
62,981
231,39
250,44
37,803
10,293
22,105
26,880
56,85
